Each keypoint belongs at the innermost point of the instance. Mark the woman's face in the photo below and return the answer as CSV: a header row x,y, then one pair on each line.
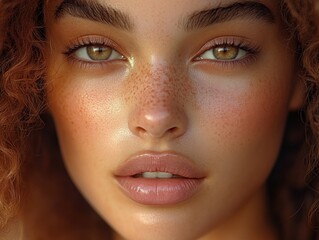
x,y
170,114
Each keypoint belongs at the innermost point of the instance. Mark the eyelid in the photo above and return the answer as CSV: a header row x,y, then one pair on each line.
x,y
91,40
114,55
240,42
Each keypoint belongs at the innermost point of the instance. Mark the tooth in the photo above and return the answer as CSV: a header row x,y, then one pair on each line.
x,y
157,175
164,175
149,174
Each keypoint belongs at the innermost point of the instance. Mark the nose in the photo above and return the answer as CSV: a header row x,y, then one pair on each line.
x,y
158,110
157,122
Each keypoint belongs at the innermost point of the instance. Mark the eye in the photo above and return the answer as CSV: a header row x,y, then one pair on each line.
x,y
224,53
97,53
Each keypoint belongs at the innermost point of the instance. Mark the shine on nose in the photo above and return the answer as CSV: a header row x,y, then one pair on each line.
x,y
158,107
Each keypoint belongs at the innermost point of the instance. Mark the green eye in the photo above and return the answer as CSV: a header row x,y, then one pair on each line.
x,y
224,53
96,53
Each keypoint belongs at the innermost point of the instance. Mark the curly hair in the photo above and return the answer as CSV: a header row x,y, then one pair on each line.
x,y
21,94
292,197
294,182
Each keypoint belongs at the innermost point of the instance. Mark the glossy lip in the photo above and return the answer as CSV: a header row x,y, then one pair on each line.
x,y
159,191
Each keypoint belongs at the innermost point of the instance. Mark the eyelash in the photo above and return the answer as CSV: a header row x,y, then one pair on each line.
x,y
241,43
90,41
252,51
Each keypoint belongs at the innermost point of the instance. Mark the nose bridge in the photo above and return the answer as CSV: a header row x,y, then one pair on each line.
x,y
157,103
160,90
156,87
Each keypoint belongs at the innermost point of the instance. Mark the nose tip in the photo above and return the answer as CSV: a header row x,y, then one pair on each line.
x,y
158,123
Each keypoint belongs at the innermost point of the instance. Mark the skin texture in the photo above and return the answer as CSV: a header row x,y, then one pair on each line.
x,y
228,118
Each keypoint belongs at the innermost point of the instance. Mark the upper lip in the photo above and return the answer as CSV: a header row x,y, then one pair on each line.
x,y
173,163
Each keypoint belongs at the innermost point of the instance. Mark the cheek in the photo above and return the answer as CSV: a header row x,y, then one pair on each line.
x,y
77,113
242,126
86,115
246,108
239,136
247,116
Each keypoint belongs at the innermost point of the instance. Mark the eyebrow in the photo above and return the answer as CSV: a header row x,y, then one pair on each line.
x,y
247,9
92,10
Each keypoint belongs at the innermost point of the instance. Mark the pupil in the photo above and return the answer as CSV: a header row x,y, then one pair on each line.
x,y
99,50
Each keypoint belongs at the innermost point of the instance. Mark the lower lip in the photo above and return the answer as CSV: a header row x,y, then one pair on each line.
x,y
159,191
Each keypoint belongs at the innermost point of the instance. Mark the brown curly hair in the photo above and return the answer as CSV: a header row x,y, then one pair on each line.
x,y
292,186
21,95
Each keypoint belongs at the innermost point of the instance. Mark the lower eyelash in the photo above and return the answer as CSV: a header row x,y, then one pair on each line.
x,y
83,64
250,58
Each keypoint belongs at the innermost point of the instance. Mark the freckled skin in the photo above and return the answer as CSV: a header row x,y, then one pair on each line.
x,y
229,120
161,93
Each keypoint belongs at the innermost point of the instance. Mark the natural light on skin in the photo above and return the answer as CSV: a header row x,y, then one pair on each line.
x,y
199,80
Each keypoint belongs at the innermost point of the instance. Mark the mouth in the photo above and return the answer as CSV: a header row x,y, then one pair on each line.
x,y
161,175
159,179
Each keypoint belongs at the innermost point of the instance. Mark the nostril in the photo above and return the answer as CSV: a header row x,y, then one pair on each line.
x,y
157,123
173,130
140,130
143,132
